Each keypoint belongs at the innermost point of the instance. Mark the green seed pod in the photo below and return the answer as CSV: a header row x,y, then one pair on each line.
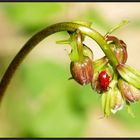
x,y
129,74
112,100
117,101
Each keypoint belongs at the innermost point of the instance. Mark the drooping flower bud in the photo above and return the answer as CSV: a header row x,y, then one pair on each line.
x,y
118,47
82,71
129,92
81,66
129,74
122,57
112,100
117,101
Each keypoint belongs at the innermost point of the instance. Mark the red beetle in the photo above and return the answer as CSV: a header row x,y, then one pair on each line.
x,y
104,80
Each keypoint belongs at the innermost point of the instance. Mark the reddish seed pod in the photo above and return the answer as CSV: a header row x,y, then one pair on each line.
x,y
121,52
124,50
82,71
104,80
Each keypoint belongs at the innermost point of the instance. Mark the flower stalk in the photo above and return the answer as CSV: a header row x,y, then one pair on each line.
x,y
39,36
103,74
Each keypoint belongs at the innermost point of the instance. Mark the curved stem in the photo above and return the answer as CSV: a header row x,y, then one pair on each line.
x,y
33,41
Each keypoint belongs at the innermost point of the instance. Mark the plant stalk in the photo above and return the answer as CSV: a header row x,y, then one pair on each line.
x,y
39,36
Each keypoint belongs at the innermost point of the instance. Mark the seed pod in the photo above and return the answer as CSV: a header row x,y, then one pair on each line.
x,y
112,100
125,54
118,47
117,101
129,74
129,92
82,71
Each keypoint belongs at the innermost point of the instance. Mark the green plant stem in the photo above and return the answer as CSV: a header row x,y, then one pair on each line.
x,y
39,36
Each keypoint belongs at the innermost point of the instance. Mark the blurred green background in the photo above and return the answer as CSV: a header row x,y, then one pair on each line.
x,y
40,100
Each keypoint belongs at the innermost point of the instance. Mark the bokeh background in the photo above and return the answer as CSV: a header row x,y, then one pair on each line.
x,y
40,100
